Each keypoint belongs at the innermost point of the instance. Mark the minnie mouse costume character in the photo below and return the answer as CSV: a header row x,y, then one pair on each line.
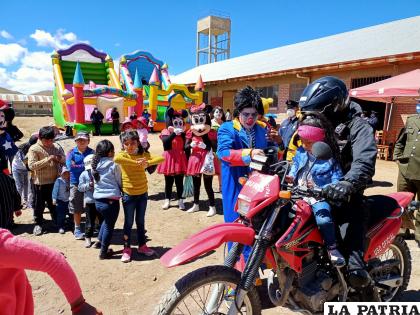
x,y
175,164
201,139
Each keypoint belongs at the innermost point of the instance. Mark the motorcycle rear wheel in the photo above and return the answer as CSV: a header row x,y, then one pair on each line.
x,y
399,251
191,293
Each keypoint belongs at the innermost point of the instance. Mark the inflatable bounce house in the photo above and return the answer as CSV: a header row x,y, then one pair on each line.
x,y
84,79
148,77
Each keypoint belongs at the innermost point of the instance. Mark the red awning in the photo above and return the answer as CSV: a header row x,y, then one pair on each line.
x,y
402,88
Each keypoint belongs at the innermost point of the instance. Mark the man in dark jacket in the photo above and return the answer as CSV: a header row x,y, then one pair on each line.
x,y
115,116
96,118
329,96
289,126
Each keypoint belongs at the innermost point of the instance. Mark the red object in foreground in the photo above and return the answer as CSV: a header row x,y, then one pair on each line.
x,y
207,240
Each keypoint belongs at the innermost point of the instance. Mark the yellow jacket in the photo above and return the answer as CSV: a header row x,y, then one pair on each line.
x,y
294,144
134,180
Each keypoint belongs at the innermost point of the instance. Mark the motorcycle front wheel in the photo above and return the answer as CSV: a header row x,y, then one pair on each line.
x,y
205,291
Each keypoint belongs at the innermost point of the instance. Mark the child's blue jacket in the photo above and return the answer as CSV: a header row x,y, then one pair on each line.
x,y
324,172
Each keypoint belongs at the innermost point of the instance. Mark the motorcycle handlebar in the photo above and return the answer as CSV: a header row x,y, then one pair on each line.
x,y
315,192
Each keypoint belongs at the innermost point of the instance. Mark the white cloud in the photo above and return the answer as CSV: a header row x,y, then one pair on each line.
x,y
34,71
11,53
60,40
38,60
5,34
117,44
30,80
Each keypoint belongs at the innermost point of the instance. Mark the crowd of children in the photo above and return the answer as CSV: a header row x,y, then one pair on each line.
x,y
93,181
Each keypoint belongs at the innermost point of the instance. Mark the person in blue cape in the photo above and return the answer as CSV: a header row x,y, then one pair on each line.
x,y
238,141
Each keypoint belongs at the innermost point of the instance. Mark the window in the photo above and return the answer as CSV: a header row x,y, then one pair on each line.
x,y
29,106
295,91
355,83
270,91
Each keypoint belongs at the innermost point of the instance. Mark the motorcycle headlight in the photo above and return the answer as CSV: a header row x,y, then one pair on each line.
x,y
243,207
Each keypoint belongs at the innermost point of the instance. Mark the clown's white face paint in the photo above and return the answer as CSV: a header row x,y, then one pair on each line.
x,y
218,114
248,118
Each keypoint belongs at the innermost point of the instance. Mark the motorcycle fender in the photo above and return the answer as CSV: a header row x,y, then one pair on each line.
x,y
207,240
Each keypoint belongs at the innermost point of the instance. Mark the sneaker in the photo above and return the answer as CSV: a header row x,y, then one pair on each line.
x,y
144,250
212,211
78,235
336,257
37,230
194,208
165,205
126,256
88,242
181,205
61,231
97,245
106,255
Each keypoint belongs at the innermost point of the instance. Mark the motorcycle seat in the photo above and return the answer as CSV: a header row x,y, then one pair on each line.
x,y
381,207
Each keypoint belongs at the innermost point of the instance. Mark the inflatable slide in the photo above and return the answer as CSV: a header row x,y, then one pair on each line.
x,y
147,76
84,79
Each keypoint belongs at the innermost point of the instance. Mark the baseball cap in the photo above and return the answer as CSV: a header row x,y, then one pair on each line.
x,y
82,135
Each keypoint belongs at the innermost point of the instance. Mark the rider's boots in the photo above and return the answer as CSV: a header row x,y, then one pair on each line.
x,y
358,277
336,257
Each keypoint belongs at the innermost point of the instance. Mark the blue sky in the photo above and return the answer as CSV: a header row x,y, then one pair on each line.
x,y
31,30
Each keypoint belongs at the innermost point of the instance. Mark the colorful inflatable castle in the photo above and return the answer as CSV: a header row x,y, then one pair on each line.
x,y
153,86
84,79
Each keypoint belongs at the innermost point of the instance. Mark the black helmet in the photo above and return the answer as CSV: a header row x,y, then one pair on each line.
x,y
325,95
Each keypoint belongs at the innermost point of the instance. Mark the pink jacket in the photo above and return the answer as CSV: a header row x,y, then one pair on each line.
x,y
18,254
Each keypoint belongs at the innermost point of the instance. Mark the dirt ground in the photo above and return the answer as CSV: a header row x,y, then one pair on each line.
x,y
136,287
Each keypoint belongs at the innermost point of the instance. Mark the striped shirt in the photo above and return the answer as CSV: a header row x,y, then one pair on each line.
x,y
9,201
44,171
251,137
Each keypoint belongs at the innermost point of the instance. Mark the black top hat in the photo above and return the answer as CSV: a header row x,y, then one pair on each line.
x,y
291,104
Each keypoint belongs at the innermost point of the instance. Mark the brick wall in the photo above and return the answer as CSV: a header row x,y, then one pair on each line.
x,y
283,97
400,111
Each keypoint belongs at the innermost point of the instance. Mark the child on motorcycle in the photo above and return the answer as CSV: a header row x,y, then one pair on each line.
x,y
309,172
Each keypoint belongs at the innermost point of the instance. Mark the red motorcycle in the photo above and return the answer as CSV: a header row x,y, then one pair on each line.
x,y
278,227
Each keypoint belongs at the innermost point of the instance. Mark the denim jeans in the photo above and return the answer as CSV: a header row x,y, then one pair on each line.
x,y
322,212
22,184
134,205
109,209
91,215
62,209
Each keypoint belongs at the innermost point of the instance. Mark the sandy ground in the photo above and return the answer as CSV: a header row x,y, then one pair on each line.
x,y
136,287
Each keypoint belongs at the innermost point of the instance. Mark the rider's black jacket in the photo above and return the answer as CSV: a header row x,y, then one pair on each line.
x,y
358,148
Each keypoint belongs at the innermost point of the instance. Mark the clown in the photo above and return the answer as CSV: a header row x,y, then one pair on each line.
x,y
175,164
201,139
239,141
218,118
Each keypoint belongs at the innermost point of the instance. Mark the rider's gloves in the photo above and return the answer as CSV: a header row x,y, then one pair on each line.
x,y
340,191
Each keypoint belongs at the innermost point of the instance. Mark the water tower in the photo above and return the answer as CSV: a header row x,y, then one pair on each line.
x,y
213,39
